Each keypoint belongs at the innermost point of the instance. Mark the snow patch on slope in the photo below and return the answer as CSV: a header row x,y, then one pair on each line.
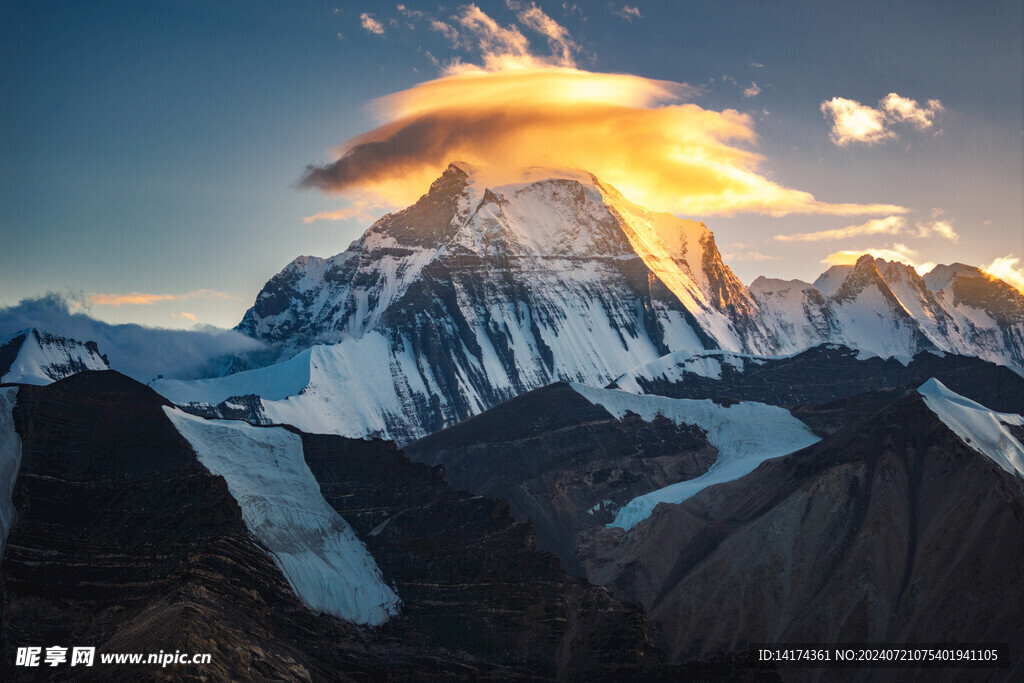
x,y
745,434
10,461
674,367
980,428
318,552
273,382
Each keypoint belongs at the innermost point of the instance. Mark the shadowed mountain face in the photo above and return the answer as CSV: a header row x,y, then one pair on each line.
x,y
564,463
812,380
891,530
124,541
568,466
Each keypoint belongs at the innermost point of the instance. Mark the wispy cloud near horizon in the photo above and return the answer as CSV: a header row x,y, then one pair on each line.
x,y
890,225
140,299
137,351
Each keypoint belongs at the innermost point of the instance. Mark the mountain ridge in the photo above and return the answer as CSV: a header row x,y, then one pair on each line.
x,y
475,294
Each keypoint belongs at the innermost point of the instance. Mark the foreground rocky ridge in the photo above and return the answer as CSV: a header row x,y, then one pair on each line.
x,y
124,541
891,530
569,466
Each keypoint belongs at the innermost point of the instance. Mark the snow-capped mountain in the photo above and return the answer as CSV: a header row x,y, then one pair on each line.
x,y
887,309
476,294
33,356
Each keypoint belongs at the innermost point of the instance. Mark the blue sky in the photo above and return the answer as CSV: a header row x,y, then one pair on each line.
x,y
156,147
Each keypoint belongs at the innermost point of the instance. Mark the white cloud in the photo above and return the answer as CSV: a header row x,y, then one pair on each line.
x,y
905,109
940,228
890,225
752,91
751,255
627,12
371,24
558,38
1007,269
855,122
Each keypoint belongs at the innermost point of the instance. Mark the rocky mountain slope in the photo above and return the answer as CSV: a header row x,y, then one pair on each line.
x,y
571,459
907,526
124,539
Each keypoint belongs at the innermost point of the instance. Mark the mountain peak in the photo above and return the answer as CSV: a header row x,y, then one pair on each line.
x,y
38,357
942,275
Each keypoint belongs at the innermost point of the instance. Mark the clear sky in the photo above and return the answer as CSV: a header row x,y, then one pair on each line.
x,y
154,152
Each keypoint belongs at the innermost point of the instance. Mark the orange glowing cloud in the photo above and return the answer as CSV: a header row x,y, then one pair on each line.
x,y
359,210
668,156
521,110
140,299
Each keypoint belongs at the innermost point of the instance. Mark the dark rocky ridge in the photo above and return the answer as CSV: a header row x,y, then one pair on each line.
x,y
468,574
555,457
124,541
827,373
891,530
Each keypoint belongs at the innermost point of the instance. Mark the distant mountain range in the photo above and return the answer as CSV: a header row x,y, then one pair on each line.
x,y
474,295
619,462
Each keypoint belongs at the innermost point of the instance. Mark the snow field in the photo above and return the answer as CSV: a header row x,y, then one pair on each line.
x,y
317,551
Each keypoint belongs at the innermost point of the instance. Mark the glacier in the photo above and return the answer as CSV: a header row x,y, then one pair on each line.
x,y
319,554
745,434
984,430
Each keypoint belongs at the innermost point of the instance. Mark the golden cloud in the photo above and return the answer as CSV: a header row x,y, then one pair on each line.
x,y
631,132
140,299
890,225
359,210
1007,269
